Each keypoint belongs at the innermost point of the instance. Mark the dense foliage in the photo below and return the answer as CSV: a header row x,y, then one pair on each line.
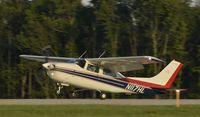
x,y
167,29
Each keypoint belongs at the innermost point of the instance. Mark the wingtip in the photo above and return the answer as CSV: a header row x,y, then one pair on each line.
x,y
22,56
158,60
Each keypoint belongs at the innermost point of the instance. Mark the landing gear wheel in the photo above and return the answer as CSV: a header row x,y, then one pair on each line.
x,y
58,92
103,96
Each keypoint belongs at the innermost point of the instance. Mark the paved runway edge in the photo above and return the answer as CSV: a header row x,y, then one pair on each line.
x,y
97,102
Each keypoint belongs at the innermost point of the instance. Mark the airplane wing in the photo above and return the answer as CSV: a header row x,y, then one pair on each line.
x,y
117,64
48,58
123,64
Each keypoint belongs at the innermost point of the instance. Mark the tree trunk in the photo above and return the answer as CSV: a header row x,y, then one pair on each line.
x,y
133,43
9,51
46,88
165,45
23,86
30,83
154,33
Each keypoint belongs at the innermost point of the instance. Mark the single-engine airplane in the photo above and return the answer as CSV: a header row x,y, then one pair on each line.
x,y
103,74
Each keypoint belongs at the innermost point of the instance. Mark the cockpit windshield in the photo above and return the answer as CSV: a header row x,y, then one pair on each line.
x,y
81,63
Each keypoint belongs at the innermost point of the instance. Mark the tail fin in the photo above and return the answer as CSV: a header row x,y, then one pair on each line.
x,y
162,80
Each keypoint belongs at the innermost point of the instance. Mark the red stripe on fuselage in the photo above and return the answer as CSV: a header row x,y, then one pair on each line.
x,y
152,85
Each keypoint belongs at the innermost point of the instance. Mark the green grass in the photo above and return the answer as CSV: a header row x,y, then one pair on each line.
x,y
99,111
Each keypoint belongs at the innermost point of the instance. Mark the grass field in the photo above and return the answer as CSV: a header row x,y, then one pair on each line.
x,y
99,111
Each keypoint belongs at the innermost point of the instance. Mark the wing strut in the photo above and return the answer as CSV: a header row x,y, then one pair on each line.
x,y
102,54
83,54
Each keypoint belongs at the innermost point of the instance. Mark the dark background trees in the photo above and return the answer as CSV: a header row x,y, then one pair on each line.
x,y
167,29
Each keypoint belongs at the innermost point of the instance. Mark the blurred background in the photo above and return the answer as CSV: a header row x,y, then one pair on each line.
x,y
167,29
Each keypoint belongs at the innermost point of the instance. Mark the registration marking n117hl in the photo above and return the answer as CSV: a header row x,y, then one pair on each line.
x,y
135,88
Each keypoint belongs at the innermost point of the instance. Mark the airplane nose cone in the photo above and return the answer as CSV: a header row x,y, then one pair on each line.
x,y
45,65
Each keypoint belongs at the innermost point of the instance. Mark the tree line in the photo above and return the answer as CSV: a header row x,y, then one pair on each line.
x,y
167,29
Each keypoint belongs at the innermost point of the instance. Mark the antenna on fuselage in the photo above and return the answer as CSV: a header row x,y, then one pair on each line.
x,y
83,54
102,54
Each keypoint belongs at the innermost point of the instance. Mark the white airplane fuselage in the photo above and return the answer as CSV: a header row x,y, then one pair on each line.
x,y
73,74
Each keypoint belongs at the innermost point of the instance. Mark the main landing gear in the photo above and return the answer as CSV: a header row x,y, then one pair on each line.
x,y
73,94
103,96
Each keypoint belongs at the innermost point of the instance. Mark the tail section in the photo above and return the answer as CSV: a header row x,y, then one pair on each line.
x,y
162,80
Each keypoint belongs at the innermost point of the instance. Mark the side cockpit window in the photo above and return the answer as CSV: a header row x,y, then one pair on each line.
x,y
93,68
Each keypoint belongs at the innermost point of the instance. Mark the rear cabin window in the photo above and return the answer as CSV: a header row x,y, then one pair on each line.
x,y
109,73
93,68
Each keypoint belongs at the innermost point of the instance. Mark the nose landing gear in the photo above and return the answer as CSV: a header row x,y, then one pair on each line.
x,y
59,88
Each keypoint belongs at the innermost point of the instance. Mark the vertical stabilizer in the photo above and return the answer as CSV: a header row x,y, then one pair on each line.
x,y
162,80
